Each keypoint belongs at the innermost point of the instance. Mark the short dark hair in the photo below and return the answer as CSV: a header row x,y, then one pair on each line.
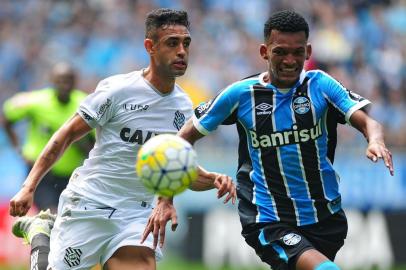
x,y
286,21
164,17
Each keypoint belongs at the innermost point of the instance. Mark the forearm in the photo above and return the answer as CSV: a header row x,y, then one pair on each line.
x,y
54,149
370,128
374,132
8,127
204,181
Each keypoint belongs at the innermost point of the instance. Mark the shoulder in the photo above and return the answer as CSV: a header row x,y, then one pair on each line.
x,y
243,84
319,76
180,93
119,82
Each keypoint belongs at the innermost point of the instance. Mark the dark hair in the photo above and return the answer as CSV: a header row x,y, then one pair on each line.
x,y
286,21
164,17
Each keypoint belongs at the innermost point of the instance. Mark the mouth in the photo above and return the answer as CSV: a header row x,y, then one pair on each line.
x,y
180,64
288,71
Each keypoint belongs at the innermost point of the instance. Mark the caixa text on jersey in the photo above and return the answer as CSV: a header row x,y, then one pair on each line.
x,y
138,136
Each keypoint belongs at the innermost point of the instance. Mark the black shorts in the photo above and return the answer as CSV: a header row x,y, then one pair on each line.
x,y
280,244
48,191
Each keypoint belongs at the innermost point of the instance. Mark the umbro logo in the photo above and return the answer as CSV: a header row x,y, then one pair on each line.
x,y
263,109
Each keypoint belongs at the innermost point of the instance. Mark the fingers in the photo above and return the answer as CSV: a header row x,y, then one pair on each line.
x,y
147,231
379,151
156,233
18,209
232,194
174,221
224,186
161,234
387,158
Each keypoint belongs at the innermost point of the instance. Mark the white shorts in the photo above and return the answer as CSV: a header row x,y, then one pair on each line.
x,y
87,233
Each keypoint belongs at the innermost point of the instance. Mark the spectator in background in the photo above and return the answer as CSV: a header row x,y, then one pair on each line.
x,y
96,36
46,110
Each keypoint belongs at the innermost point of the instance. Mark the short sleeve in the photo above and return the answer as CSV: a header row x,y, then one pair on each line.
x,y
208,116
97,108
19,106
344,100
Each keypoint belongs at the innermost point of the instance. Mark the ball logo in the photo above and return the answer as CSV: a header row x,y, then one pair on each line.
x,y
291,239
301,105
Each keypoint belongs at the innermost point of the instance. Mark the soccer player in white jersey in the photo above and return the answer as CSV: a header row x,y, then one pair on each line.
x,y
105,208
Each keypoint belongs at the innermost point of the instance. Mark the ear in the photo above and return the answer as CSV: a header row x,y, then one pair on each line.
x,y
149,46
308,51
263,51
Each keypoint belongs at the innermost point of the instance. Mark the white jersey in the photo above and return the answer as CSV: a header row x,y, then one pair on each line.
x,y
126,111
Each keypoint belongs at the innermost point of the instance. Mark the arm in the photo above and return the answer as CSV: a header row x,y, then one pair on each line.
x,y
74,129
373,132
165,211
8,127
207,180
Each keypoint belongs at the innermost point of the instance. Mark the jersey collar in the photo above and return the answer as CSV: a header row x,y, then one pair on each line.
x,y
262,82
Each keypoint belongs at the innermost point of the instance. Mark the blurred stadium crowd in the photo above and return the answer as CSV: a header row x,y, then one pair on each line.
x,y
362,43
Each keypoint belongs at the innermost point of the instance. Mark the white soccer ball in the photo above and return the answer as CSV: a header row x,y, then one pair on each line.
x,y
167,165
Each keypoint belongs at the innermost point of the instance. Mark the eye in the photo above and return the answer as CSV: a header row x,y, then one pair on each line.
x,y
299,53
186,43
278,52
172,43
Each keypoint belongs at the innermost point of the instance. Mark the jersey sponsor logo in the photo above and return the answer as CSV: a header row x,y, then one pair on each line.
x,y
291,239
72,256
201,109
135,107
264,109
179,120
86,116
291,136
103,108
354,96
138,136
301,105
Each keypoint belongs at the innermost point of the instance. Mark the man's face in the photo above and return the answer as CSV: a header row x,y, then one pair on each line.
x,y
64,83
171,50
285,53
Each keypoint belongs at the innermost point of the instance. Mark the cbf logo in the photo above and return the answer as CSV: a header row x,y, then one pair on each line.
x,y
179,120
301,105
291,239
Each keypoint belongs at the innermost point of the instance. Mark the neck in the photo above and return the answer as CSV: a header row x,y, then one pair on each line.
x,y
162,83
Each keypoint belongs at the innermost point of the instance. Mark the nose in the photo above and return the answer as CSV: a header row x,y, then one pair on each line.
x,y
182,50
289,59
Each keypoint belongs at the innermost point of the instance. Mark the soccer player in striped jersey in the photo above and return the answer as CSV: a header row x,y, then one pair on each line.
x,y
286,117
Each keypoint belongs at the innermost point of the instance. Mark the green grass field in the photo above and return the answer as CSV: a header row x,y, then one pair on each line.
x,y
178,264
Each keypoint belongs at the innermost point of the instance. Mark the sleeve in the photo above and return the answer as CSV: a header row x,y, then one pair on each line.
x,y
97,108
19,106
344,100
208,116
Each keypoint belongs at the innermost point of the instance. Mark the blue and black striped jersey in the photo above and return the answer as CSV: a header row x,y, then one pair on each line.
x,y
287,144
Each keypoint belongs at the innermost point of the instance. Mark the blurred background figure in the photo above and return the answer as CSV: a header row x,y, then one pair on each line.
x,y
45,110
366,52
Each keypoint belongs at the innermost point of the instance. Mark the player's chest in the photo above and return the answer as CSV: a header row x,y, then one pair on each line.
x,y
281,111
136,119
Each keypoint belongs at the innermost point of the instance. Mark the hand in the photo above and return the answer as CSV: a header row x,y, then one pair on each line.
x,y
377,150
21,202
162,213
225,185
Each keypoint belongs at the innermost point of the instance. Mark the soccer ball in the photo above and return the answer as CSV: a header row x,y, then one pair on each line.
x,y
166,165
